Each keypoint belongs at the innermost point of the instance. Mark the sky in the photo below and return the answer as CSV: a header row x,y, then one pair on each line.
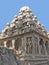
x,y
10,8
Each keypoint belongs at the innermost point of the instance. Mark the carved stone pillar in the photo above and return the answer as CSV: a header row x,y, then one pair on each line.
x,y
45,48
5,43
39,46
33,49
13,42
24,45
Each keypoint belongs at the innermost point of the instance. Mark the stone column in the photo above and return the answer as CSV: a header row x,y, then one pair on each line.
x,y
39,46
13,42
33,49
24,45
5,43
45,48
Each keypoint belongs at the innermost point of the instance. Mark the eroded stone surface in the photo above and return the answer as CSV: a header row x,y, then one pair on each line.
x,y
7,57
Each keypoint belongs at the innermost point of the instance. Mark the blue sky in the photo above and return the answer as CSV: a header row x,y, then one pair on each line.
x,y
9,8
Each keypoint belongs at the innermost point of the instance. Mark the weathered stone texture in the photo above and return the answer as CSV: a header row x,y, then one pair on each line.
x,y
7,57
27,37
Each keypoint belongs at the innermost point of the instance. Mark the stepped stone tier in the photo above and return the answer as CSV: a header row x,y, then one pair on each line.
x,y
27,37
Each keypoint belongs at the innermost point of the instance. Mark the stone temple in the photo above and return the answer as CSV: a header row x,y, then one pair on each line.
x,y
27,37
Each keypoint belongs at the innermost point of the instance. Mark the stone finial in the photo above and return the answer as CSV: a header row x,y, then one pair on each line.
x,y
25,8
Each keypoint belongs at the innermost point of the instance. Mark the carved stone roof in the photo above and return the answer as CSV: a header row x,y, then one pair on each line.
x,y
26,20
